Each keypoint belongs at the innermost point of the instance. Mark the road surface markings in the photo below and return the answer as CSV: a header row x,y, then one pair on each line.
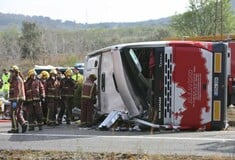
x,y
129,137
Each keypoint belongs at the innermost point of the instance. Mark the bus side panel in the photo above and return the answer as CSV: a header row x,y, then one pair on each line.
x,y
192,83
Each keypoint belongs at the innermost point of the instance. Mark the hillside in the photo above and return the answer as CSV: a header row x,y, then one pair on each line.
x,y
7,20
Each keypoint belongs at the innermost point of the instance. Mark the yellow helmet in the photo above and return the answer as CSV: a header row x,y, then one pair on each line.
x,y
93,77
44,75
53,71
69,72
31,72
15,68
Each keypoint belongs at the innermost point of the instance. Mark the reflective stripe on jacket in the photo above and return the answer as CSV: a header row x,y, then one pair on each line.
x,y
34,89
67,87
88,89
52,88
17,91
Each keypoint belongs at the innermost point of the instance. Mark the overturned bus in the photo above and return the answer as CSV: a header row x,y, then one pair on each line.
x,y
169,84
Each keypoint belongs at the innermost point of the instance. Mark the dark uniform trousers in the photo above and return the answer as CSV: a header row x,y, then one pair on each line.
x,y
68,106
87,110
52,104
17,115
44,111
34,113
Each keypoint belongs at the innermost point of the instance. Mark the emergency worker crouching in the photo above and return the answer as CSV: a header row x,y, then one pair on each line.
x,y
52,87
35,93
16,97
88,100
44,75
67,88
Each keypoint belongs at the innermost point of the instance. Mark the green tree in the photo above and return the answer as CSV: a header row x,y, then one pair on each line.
x,y
205,17
30,41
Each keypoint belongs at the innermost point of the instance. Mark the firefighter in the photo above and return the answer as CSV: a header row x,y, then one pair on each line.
x,y
52,86
88,100
44,75
35,93
6,84
61,105
16,97
67,92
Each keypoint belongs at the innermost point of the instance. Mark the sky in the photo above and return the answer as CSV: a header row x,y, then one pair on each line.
x,y
96,11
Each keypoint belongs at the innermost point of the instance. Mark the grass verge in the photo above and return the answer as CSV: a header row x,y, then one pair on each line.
x,y
61,155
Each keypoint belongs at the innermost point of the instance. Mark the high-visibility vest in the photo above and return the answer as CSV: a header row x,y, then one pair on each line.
x,y
78,78
5,79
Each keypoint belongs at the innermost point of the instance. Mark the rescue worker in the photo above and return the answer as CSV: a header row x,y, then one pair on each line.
x,y
35,93
6,84
52,86
44,75
16,97
67,92
4,104
77,95
88,100
77,76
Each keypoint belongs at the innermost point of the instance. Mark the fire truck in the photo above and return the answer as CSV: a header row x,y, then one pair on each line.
x,y
162,84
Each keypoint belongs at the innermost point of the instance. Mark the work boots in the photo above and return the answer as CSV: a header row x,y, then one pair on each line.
x,y
13,131
24,127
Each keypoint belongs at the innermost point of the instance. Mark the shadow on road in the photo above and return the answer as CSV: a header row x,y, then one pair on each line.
x,y
222,147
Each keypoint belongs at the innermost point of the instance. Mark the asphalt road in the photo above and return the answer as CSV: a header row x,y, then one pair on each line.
x,y
72,138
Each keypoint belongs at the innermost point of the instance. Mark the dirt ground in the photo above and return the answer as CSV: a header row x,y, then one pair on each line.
x,y
57,155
